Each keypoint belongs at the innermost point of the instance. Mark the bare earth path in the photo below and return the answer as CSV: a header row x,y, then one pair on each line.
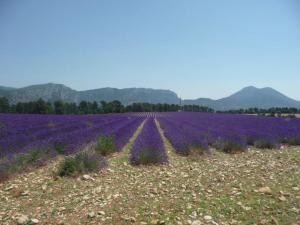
x,y
216,189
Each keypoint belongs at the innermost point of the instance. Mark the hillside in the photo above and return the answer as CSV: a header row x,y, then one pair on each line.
x,y
130,95
4,90
249,97
53,92
48,92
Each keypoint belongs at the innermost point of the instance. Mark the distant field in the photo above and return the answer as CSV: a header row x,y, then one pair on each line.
x,y
297,115
283,114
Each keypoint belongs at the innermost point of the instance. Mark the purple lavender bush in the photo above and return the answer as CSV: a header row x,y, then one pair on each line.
x,y
30,140
66,135
185,140
148,147
228,131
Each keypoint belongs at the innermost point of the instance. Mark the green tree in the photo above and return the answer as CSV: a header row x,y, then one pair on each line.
x,y
59,107
71,108
83,107
4,105
94,107
40,107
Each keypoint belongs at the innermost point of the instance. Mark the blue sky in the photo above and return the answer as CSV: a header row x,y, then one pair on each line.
x,y
196,48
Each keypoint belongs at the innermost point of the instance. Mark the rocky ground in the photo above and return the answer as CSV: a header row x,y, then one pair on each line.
x,y
256,187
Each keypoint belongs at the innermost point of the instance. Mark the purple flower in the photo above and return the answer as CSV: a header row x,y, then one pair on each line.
x,y
148,147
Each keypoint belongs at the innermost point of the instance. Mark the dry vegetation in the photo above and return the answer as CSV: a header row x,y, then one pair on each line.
x,y
256,187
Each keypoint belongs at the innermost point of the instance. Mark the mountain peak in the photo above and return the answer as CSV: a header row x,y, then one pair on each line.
x,y
269,89
48,85
256,88
249,97
250,88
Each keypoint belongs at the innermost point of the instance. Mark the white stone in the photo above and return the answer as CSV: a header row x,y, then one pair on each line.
x,y
86,177
196,222
207,217
35,221
282,198
9,188
101,213
44,187
265,190
91,215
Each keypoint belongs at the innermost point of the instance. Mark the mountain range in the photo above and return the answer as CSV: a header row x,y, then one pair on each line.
x,y
245,98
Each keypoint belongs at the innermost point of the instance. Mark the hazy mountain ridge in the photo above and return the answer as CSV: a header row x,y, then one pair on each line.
x,y
245,98
53,92
6,88
130,95
249,97
48,92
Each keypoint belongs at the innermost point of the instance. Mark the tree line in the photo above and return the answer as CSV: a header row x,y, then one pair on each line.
x,y
84,107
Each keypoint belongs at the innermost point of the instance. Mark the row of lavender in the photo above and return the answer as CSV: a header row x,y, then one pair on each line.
x,y
21,133
187,129
67,134
148,147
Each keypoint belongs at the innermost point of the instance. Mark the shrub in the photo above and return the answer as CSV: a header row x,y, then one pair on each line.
x,y
89,162
59,148
293,141
250,140
67,167
4,170
21,162
147,156
82,162
105,145
197,150
264,144
229,146
33,158
35,155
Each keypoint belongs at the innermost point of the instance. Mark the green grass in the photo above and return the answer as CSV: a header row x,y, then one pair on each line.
x,y
106,145
82,162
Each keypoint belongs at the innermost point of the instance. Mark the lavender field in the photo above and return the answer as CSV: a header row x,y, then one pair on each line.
x,y
20,133
69,134
162,168
207,129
